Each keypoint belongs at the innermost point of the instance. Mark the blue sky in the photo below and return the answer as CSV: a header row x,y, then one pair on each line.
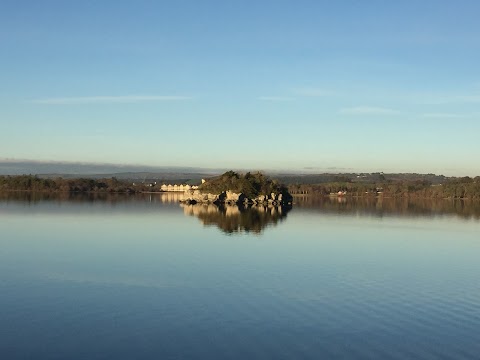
x,y
293,85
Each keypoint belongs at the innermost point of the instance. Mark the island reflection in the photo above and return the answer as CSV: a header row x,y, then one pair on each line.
x,y
235,219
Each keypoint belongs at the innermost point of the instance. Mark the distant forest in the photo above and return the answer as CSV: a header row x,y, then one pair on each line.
x,y
451,188
377,184
35,183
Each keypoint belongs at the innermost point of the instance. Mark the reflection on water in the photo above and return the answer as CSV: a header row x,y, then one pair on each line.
x,y
26,197
172,197
379,206
231,219
367,206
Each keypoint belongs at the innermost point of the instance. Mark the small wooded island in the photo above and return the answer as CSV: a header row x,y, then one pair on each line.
x,y
240,189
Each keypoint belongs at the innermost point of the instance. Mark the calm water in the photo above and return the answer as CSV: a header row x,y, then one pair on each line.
x,y
139,277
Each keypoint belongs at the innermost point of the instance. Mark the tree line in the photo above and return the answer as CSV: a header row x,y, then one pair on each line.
x,y
254,184
36,183
453,188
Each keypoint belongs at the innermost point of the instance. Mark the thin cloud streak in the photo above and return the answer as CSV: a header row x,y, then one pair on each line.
x,y
368,110
108,99
443,116
469,98
312,92
275,98
441,99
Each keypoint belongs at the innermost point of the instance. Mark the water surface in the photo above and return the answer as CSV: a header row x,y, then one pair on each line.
x,y
127,277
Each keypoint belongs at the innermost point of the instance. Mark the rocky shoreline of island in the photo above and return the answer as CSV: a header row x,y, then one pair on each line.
x,y
232,188
233,198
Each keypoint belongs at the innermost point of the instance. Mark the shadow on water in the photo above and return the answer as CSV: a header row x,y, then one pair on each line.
x,y
382,207
234,219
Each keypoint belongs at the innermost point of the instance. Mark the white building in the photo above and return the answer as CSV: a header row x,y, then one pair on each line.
x,y
177,188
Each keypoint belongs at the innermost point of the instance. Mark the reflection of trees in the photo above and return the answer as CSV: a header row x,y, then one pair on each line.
x,y
105,197
232,219
32,197
254,219
380,206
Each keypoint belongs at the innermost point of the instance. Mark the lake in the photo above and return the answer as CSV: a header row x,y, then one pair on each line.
x,y
141,277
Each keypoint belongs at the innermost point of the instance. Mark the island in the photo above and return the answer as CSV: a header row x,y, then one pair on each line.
x,y
232,188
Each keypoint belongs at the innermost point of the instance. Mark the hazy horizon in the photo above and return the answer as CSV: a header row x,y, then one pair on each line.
x,y
38,167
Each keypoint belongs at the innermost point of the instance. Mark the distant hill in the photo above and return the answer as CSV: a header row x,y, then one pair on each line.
x,y
97,171
141,173
302,179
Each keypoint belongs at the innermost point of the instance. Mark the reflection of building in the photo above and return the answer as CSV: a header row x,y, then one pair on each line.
x,y
171,197
197,210
177,188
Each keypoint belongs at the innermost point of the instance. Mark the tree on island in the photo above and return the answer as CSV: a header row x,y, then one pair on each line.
x,y
250,184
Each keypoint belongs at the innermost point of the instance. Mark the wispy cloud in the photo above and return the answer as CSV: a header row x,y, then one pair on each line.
x,y
108,99
443,116
469,98
368,110
441,98
275,98
312,92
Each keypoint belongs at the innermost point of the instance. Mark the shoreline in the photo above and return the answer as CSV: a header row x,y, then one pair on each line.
x,y
408,196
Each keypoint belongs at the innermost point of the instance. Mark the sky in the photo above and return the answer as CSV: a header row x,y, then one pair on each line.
x,y
389,86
